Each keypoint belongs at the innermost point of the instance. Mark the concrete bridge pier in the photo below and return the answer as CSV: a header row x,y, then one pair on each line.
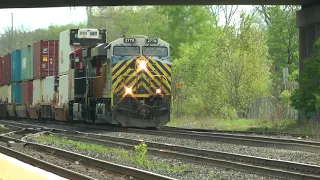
x,y
308,22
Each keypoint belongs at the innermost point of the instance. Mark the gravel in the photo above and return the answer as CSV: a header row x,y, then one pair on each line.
x,y
193,170
70,165
272,153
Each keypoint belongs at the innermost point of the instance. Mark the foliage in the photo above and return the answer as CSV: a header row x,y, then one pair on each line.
x,y
307,96
280,23
285,97
225,76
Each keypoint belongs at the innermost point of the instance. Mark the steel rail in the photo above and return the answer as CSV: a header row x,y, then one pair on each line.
x,y
290,144
268,133
93,162
300,145
43,165
237,161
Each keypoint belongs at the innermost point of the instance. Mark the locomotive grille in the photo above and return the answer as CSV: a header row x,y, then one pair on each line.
x,y
156,75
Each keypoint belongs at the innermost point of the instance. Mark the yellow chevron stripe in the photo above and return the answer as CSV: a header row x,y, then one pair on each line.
x,y
117,65
164,81
161,69
166,66
127,80
114,85
121,69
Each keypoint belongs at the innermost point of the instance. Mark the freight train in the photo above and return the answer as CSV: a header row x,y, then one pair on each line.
x,y
83,77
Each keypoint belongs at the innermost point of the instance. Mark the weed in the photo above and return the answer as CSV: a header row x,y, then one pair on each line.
x,y
139,157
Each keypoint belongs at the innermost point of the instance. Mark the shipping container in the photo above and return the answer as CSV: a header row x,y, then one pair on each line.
x,y
49,89
1,93
45,58
66,89
4,93
1,70
9,94
27,92
16,93
37,91
7,69
65,49
16,66
27,63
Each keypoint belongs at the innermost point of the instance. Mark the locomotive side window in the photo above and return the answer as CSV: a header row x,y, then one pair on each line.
x,y
126,50
154,51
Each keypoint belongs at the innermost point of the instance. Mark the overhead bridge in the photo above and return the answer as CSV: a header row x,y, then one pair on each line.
x,y
60,3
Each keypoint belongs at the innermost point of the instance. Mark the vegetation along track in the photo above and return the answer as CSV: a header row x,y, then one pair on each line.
x,y
256,141
95,166
241,162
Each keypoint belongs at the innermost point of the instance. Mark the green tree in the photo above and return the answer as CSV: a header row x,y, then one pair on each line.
x,y
280,23
306,98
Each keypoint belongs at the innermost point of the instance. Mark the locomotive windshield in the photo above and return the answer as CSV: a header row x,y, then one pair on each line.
x,y
154,51
126,50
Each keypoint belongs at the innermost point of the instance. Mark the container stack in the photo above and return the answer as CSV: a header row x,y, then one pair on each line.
x,y
27,79
45,71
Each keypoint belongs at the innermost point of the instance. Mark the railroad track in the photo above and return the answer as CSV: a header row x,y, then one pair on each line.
x,y
253,164
91,163
255,141
265,166
269,133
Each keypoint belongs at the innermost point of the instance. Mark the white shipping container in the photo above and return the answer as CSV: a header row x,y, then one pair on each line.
x,y
66,89
64,51
37,91
9,94
4,92
1,93
48,92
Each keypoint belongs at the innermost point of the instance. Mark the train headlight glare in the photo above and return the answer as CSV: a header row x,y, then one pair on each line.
x,y
128,90
158,91
143,65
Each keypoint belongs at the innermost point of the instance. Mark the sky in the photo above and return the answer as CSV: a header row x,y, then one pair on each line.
x,y
34,18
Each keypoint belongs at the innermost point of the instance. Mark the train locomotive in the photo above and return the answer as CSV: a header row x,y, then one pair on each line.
x,y
126,82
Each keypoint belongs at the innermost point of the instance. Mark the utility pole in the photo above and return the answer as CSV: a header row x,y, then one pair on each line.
x,y
12,41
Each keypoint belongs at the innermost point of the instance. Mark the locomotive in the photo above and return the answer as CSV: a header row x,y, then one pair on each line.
x,y
126,82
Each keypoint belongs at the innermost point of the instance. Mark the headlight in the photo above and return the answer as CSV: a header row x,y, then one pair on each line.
x,y
158,91
142,65
128,90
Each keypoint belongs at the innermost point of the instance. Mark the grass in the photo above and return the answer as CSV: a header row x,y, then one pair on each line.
x,y
281,126
3,129
139,157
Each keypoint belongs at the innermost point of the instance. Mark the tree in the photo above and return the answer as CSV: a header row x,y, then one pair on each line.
x,y
280,23
306,98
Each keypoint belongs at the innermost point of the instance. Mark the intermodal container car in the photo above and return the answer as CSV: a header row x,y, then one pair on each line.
x,y
27,92
27,63
16,93
16,66
7,69
45,58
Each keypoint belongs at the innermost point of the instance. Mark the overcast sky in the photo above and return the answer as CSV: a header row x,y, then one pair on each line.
x,y
34,18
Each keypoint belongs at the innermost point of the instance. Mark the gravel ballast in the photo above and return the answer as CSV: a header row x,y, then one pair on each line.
x,y
193,170
70,165
272,153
